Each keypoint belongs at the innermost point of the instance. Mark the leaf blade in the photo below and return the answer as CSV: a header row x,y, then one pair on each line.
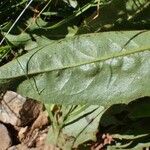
x,y
105,68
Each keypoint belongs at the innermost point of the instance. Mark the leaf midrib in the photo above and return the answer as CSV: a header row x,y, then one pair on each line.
x,y
105,58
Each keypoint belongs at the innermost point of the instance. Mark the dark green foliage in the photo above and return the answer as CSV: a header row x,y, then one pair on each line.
x,y
110,70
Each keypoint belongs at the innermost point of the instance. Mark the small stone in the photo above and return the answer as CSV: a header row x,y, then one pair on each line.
x,y
19,147
17,110
23,147
5,140
22,133
29,135
40,141
41,121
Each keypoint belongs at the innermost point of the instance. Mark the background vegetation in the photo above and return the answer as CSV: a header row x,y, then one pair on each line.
x,y
47,29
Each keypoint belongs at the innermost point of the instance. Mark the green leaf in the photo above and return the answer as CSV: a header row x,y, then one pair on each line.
x,y
117,12
139,146
72,3
78,129
4,50
140,108
27,41
105,68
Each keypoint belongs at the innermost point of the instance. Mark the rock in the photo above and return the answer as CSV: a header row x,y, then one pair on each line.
x,y
24,147
19,147
30,135
41,121
17,110
40,141
28,118
22,133
5,140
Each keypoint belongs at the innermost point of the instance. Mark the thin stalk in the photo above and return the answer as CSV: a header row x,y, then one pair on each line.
x,y
16,21
75,14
